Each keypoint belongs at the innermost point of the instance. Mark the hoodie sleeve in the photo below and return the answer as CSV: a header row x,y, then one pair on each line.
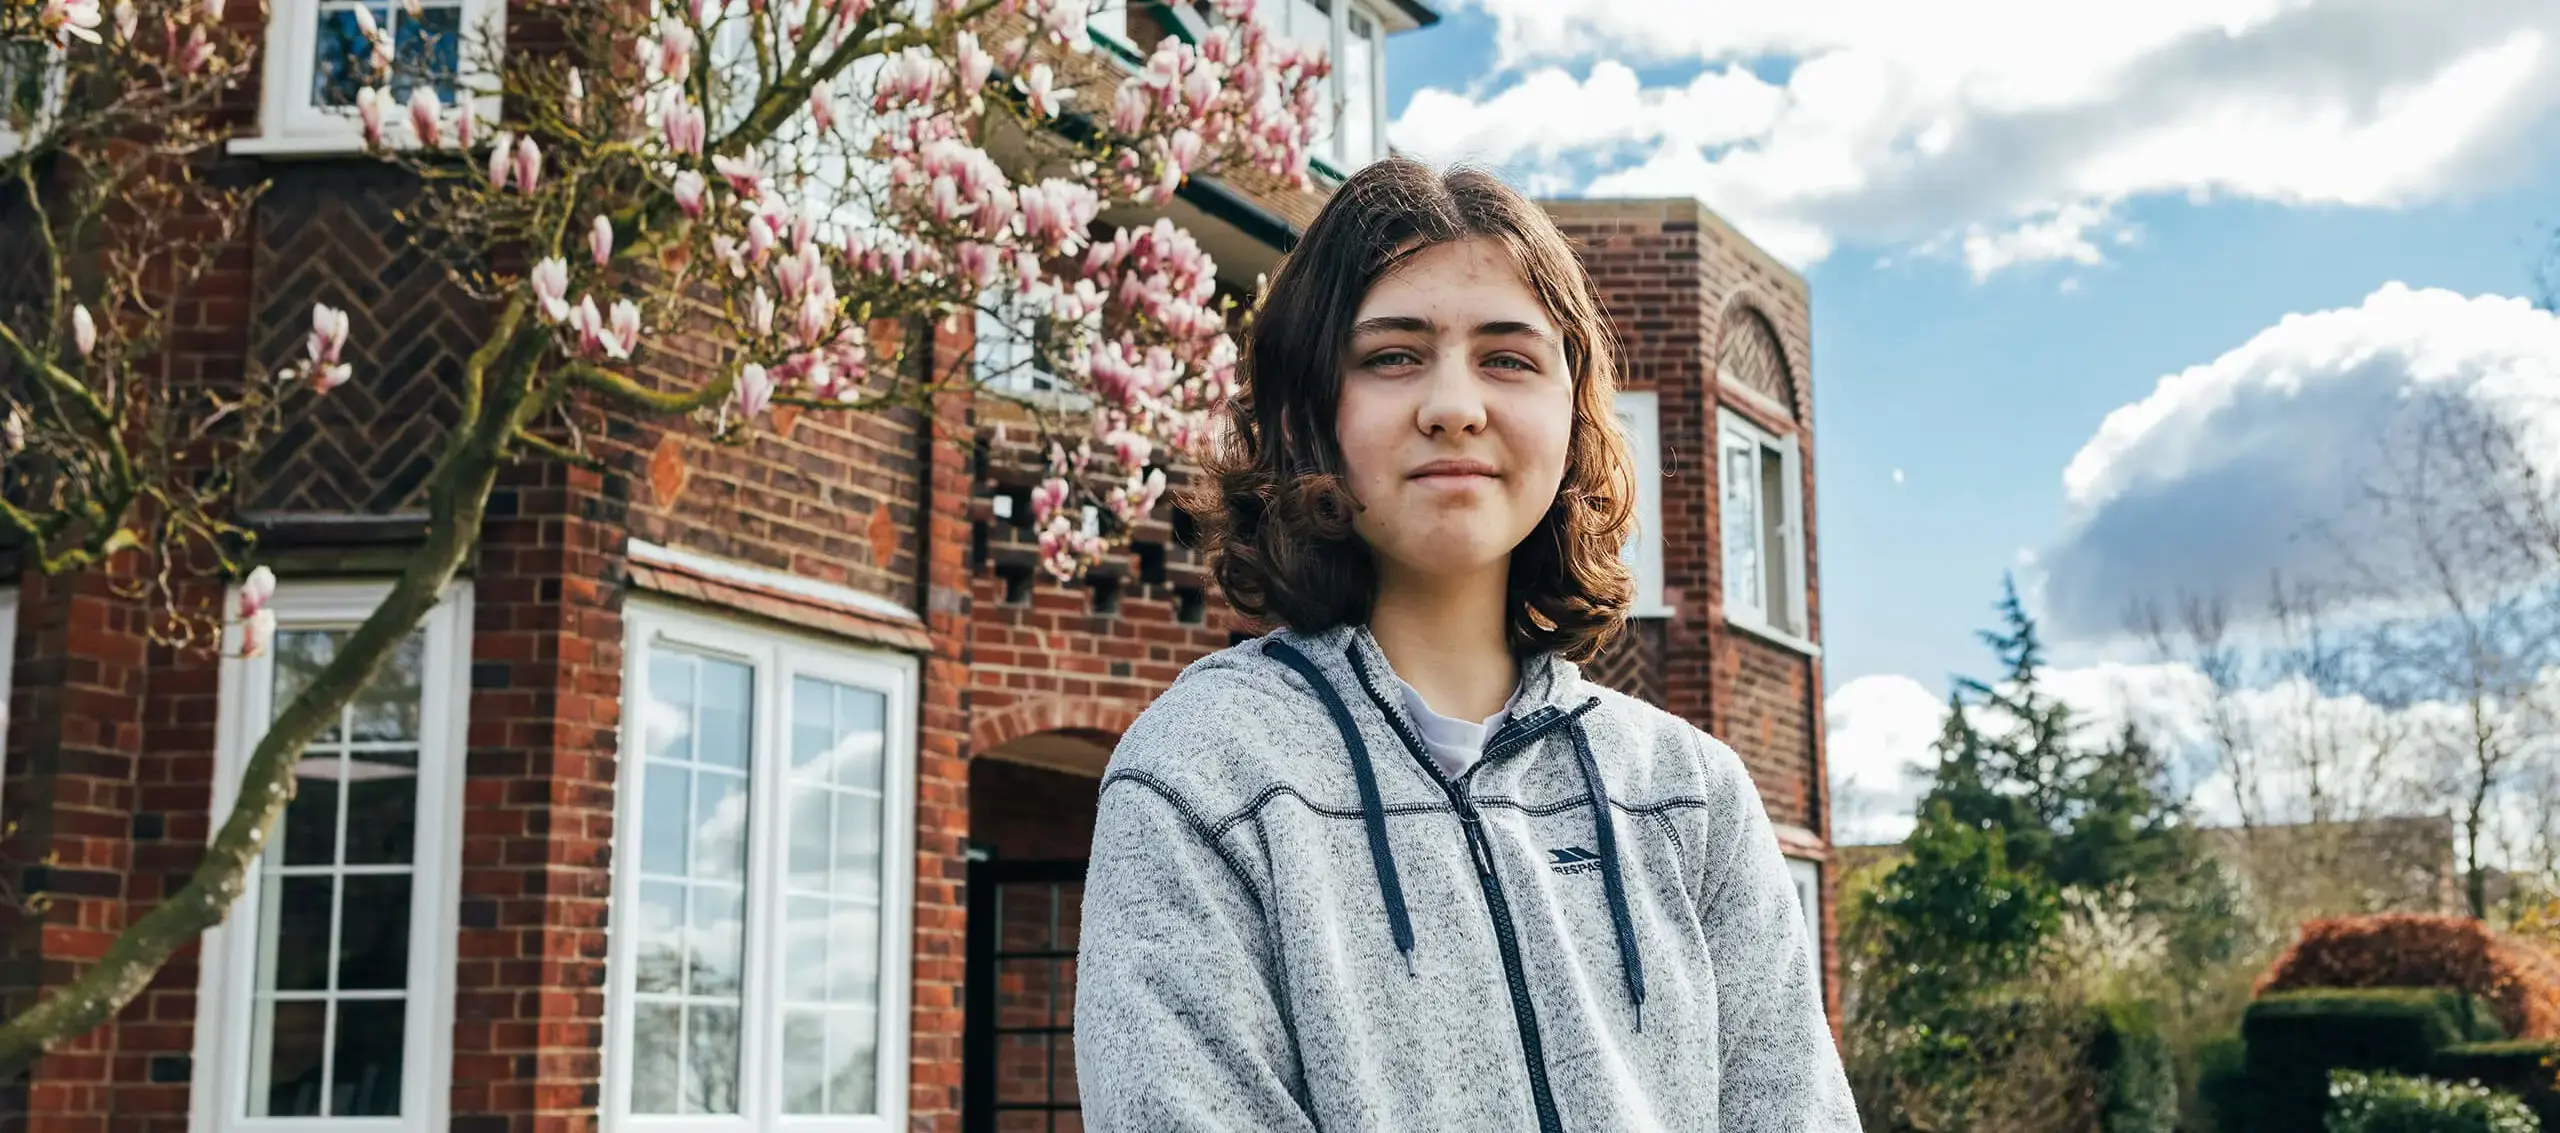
x,y
1178,1025
1781,1070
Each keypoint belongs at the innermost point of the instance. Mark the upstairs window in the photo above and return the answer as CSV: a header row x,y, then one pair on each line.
x,y
317,58
1762,528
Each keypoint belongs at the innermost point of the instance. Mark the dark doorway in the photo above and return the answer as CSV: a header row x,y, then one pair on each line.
x,y
1019,1047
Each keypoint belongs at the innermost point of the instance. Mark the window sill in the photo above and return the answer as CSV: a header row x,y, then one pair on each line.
x,y
1776,636
1656,610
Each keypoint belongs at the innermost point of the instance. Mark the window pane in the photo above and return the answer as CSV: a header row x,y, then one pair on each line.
x,y
711,1060
857,872
853,955
300,655
22,78
804,971
341,60
861,731
719,826
657,1035
1356,71
365,1081
387,709
666,798
1741,529
382,807
666,712
311,819
373,935
658,938
1778,606
719,937
722,715
853,1053
290,1039
300,946
810,840
804,1062
428,49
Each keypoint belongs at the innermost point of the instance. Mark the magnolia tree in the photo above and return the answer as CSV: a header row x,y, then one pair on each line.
x,y
729,212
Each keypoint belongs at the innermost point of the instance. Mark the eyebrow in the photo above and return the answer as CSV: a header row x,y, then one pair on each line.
x,y
1497,328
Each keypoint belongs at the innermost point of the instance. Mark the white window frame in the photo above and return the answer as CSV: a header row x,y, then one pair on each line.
x,y
226,996
1736,431
289,123
1377,86
1019,373
776,656
1110,18
1640,416
1807,875
48,100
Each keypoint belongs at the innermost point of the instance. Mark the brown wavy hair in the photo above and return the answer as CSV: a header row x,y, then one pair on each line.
x,y
1273,508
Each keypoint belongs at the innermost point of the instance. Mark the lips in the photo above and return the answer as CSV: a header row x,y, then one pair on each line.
x,y
1453,470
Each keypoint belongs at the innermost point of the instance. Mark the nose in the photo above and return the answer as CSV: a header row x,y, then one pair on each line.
x,y
1452,401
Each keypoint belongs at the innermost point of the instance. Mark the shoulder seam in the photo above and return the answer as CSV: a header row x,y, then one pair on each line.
x,y
1251,809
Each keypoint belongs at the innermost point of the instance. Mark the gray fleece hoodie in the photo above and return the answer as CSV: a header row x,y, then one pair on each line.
x,y
1293,922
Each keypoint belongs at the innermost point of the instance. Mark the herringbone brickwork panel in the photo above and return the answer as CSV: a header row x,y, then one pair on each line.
x,y
1751,356
1632,664
325,233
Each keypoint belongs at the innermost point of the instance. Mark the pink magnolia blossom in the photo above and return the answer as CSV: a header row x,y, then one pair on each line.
x,y
912,77
817,313
257,633
462,128
742,173
573,102
1045,99
369,113
501,152
326,378
1047,499
759,240
328,334
675,48
684,124
689,189
626,329
551,288
589,323
528,165
197,52
425,117
84,330
256,591
755,390
760,313
822,106
730,253
1065,21
975,65
1129,109
1131,448
69,18
128,18
600,240
1056,214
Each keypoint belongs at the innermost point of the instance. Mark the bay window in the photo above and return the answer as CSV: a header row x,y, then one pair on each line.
x,y
327,994
1761,509
1349,129
760,932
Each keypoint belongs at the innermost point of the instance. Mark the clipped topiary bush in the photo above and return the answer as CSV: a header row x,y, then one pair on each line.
x,y
2390,1103
2222,1084
2296,1038
2518,979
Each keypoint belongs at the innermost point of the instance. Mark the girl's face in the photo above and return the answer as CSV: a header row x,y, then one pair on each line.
x,y
1455,414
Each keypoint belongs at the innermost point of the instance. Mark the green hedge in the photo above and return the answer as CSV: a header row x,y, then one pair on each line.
x,y
2529,1069
2296,1038
2137,1081
2390,1103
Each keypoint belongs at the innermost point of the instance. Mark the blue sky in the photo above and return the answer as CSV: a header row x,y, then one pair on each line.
x,y
2012,234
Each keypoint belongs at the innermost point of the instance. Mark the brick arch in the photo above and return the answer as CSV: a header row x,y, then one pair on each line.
x,y
1103,719
1759,357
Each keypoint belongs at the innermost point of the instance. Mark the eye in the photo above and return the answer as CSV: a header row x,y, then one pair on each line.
x,y
1511,361
1392,357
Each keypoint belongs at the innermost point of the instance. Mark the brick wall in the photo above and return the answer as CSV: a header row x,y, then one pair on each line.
x,y
1681,286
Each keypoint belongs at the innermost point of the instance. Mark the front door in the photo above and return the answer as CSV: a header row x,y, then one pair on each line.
x,y
1019,1048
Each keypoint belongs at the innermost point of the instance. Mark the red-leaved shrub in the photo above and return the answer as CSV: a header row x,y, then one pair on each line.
x,y
2516,978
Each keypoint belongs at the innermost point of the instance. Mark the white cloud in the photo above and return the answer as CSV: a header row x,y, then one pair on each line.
x,y
2007,131
2259,462
1877,734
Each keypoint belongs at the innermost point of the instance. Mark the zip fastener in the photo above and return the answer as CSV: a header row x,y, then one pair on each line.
x,y
1506,941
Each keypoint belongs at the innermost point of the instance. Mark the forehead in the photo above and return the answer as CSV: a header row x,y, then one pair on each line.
x,y
1456,285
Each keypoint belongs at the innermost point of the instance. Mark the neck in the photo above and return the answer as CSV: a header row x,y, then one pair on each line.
x,y
1446,637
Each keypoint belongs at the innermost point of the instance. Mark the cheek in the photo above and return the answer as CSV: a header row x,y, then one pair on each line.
x,y
1363,429
1542,433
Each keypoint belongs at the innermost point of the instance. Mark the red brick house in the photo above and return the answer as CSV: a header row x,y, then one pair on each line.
x,y
742,787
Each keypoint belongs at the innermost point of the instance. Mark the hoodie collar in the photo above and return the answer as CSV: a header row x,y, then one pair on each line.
x,y
1545,678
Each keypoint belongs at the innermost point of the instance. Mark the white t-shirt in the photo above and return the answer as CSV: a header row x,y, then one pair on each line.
x,y
1455,745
